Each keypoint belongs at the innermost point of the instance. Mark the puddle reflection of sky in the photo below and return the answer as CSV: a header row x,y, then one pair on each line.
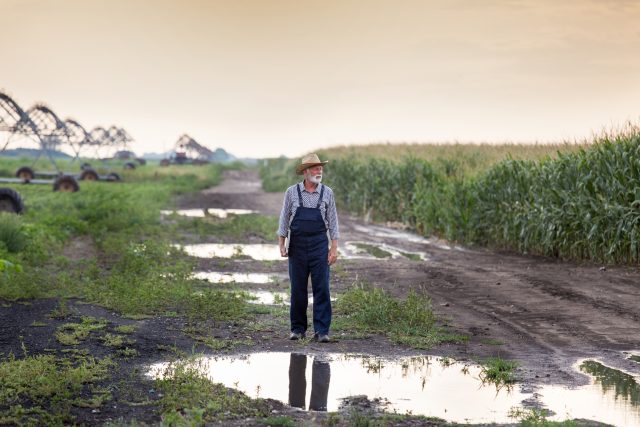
x,y
201,213
422,385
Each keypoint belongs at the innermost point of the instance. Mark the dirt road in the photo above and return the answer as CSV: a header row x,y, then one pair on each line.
x,y
544,313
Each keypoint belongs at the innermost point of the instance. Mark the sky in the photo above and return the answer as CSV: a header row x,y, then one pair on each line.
x,y
264,78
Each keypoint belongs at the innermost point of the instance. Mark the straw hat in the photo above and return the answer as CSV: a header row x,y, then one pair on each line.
x,y
309,161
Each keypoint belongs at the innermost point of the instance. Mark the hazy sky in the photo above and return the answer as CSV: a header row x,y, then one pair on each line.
x,y
270,77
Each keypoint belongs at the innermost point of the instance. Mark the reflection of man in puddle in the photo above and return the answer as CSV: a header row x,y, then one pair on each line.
x,y
309,210
320,377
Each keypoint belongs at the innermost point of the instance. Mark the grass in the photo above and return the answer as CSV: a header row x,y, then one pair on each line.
x,y
49,388
498,371
410,321
190,398
239,227
373,250
538,418
74,333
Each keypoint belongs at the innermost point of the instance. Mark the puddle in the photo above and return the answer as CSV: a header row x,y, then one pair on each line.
x,y
405,236
417,384
260,252
369,250
268,297
427,386
219,277
635,358
201,213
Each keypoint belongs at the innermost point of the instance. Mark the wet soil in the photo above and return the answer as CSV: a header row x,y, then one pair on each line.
x,y
543,313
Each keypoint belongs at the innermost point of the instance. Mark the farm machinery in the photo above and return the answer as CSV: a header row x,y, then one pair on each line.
x,y
188,151
41,130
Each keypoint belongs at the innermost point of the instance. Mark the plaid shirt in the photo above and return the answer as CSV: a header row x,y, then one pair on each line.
x,y
309,200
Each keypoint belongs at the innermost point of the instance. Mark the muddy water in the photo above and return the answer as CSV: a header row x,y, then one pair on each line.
x,y
201,213
422,385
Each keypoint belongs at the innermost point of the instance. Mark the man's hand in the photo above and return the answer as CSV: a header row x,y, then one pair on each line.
x,y
333,253
283,248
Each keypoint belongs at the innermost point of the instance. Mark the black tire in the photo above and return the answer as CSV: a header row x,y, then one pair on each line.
x,y
10,201
141,161
66,183
165,162
25,173
89,175
129,165
113,177
85,166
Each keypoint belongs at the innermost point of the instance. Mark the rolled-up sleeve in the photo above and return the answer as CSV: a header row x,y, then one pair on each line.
x,y
332,218
285,215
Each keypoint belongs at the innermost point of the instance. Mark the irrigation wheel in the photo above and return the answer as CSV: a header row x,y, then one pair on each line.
x,y
89,175
25,173
66,184
113,177
10,201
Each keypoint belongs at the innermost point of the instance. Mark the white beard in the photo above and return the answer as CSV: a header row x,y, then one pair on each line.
x,y
316,179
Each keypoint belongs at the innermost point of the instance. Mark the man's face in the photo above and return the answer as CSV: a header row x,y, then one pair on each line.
x,y
313,174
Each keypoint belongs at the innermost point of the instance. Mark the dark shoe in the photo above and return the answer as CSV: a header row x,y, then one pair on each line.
x,y
321,337
296,336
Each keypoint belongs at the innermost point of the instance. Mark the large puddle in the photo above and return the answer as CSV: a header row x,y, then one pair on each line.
x,y
373,230
421,385
229,277
201,213
260,252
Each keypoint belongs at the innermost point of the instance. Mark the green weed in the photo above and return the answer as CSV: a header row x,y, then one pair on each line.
x,y
498,371
125,329
49,386
410,321
74,333
12,235
188,397
538,418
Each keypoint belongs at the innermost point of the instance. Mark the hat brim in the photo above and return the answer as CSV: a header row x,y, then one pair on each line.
x,y
304,166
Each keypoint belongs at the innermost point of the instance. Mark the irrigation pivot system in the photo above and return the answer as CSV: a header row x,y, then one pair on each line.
x,y
188,151
41,129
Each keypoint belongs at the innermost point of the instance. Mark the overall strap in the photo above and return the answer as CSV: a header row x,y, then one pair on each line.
x,y
321,194
299,195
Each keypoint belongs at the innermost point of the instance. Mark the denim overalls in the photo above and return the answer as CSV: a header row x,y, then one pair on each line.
x,y
308,255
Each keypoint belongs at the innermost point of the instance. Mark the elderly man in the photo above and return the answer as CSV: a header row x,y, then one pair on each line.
x,y
309,210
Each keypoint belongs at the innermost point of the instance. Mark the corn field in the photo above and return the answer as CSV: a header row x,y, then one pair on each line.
x,y
581,204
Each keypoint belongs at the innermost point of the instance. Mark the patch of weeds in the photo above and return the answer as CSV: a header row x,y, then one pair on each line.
x,y
236,226
38,324
218,305
74,333
12,234
491,341
281,420
188,396
114,340
537,418
411,256
127,352
49,386
61,311
410,321
498,371
125,329
373,250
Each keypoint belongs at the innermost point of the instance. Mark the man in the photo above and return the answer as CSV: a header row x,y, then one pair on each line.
x,y
309,210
